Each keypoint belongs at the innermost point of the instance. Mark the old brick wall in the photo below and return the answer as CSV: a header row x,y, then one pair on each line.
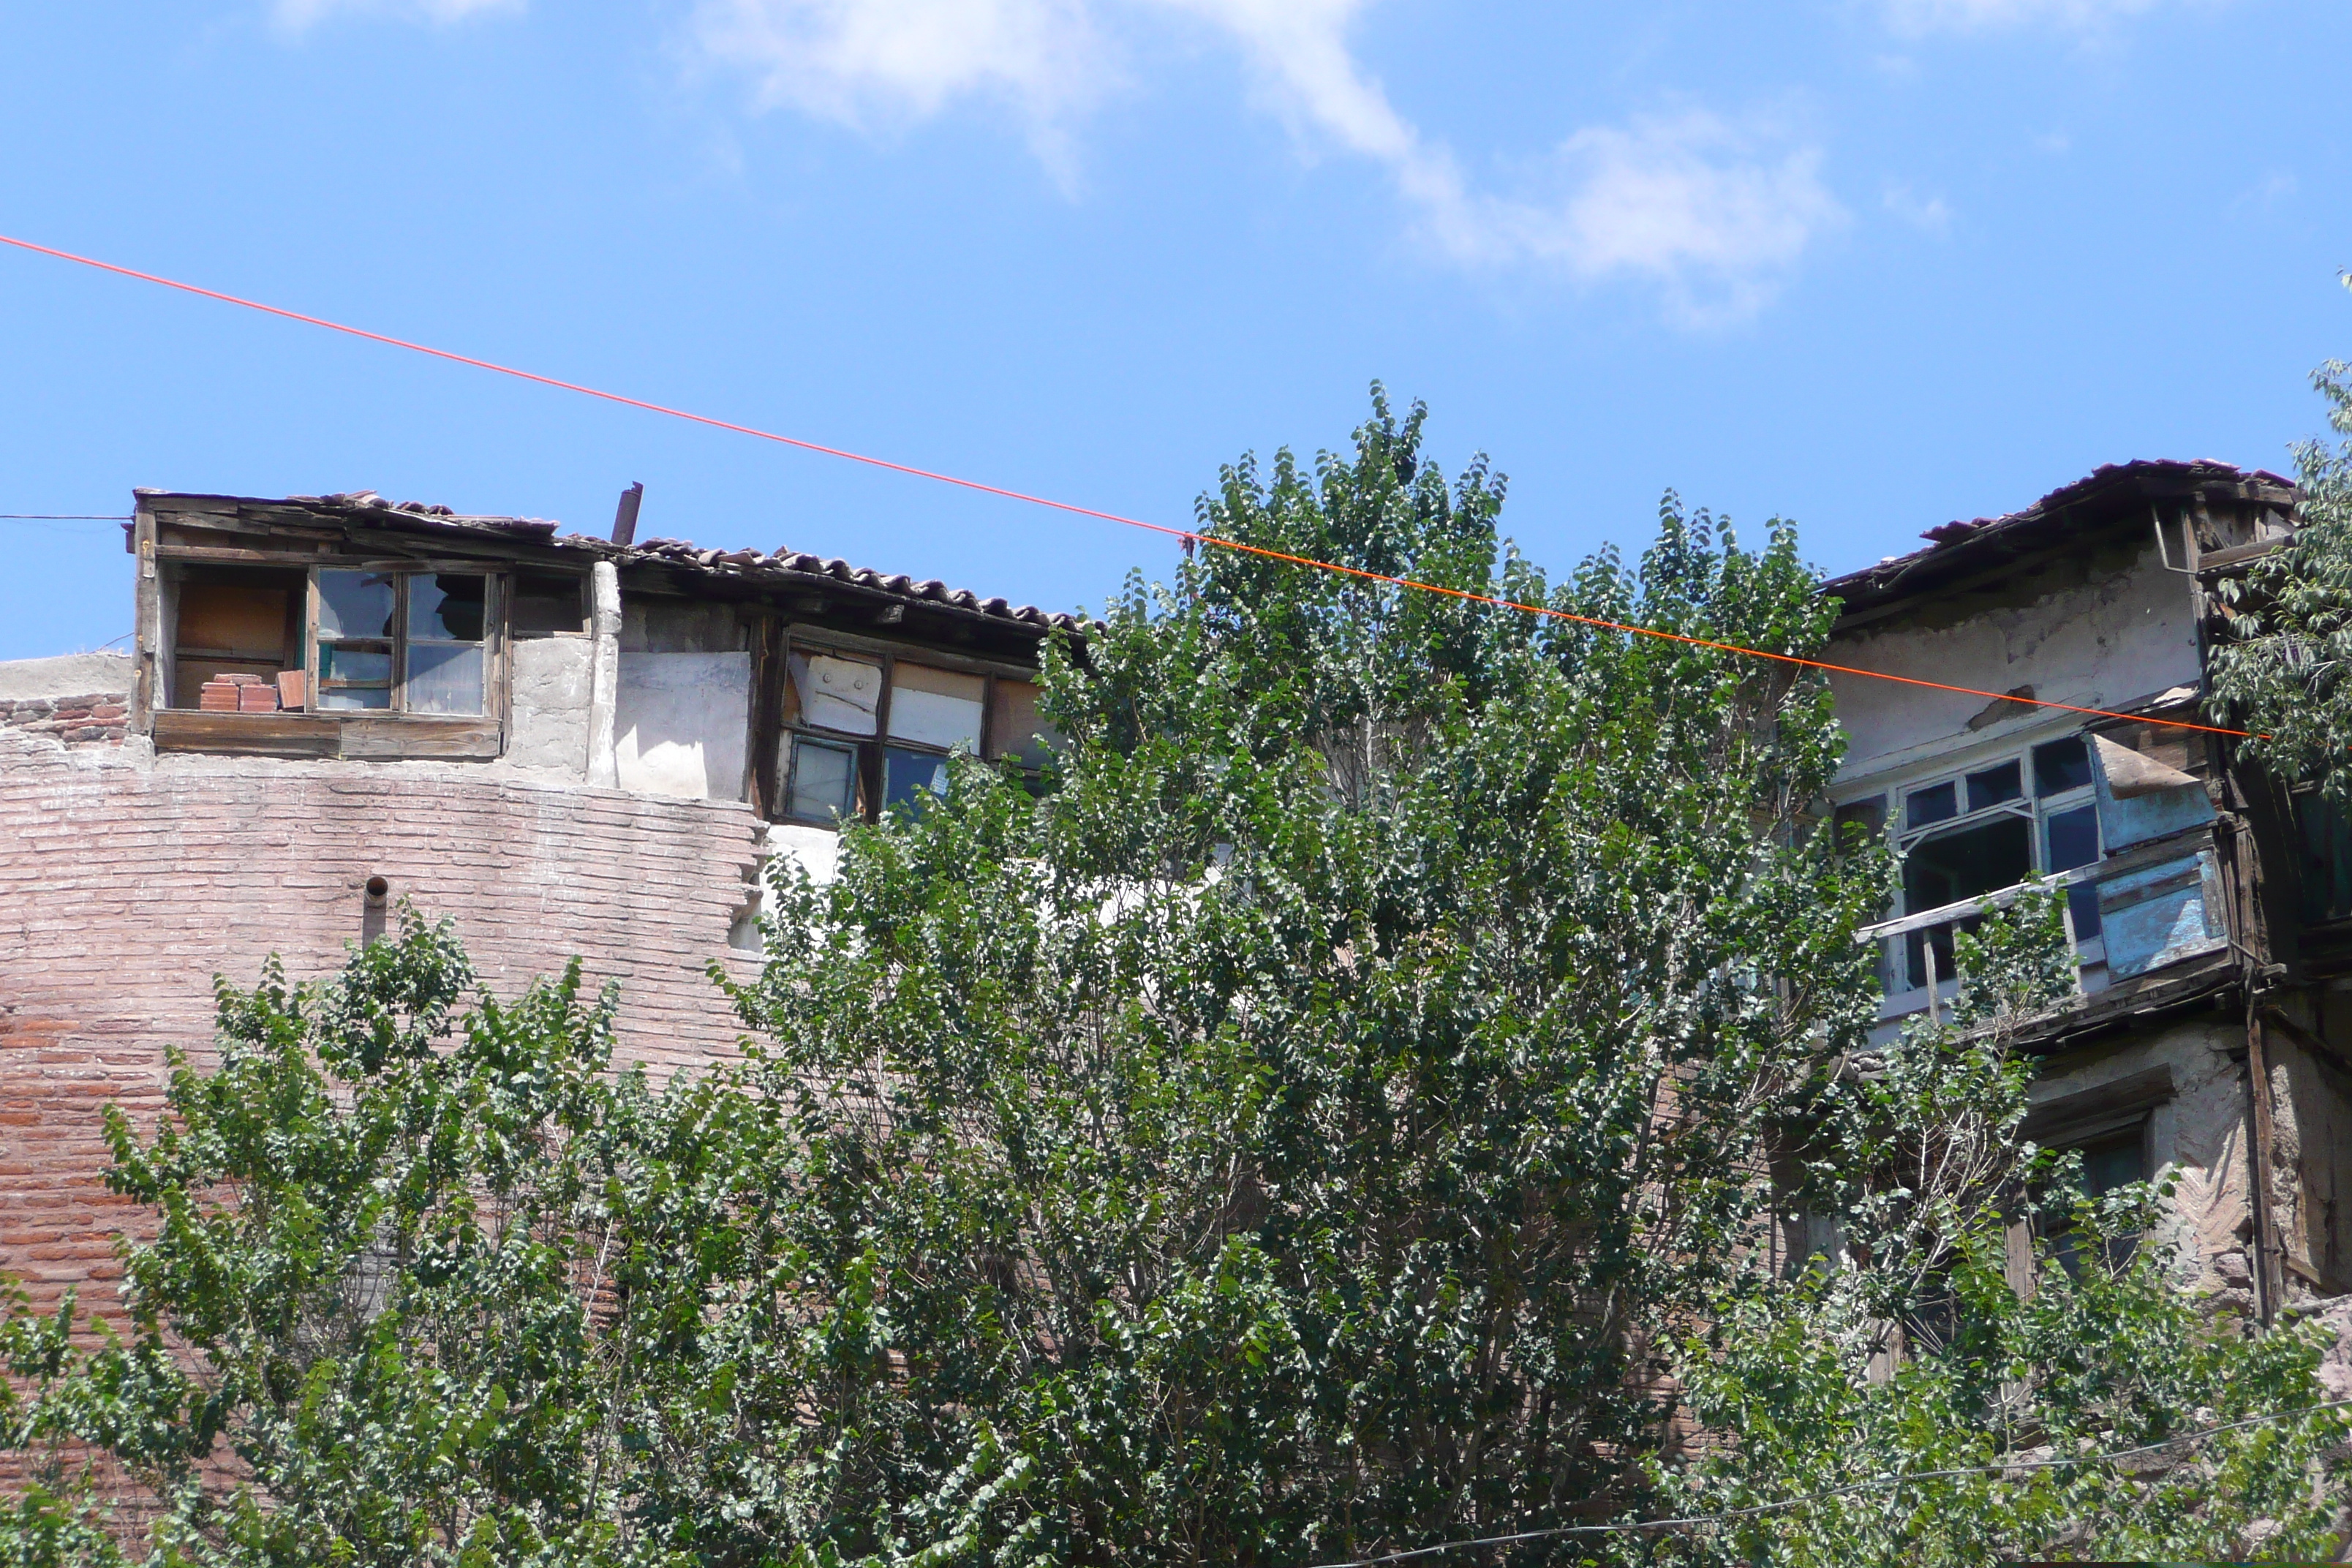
x,y
95,719
127,881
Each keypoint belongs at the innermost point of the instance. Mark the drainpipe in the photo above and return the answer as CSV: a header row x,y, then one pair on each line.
x,y
603,672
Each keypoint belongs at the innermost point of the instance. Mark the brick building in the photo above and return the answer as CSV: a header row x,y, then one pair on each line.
x,y
568,744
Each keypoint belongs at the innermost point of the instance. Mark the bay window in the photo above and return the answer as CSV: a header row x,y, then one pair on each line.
x,y
1978,830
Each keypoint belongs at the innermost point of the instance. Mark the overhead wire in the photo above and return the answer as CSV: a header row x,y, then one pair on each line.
x,y
1188,535
1900,1479
66,516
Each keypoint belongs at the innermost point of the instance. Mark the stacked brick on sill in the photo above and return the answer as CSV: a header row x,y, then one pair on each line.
x,y
251,694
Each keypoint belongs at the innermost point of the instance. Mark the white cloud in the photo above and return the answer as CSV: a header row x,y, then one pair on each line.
x,y
1919,16
1710,212
875,64
1930,215
297,14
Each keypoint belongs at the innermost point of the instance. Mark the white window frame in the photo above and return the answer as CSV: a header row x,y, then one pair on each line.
x,y
1894,790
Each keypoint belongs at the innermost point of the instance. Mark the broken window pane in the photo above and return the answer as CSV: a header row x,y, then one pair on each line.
x,y
1960,865
908,778
1935,803
447,607
444,678
1995,786
825,780
354,604
2060,765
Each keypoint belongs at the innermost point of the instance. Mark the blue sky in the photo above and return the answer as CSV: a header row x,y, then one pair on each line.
x,y
1868,264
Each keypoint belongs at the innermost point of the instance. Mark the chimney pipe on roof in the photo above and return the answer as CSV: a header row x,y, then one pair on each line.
x,y
625,519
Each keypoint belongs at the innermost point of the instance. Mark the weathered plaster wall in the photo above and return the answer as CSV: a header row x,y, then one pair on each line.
x,y
549,704
2095,631
127,881
681,724
2201,1129
2311,1165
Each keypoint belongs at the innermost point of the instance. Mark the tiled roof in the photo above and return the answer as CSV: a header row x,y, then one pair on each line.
x,y
2113,496
781,568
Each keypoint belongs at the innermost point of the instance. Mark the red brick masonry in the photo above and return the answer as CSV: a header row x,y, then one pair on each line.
x,y
94,720
127,881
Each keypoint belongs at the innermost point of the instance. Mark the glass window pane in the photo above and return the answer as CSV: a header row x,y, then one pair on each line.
x,y
447,607
354,604
338,662
2074,838
1994,785
2060,765
825,782
1934,804
909,777
444,678
334,698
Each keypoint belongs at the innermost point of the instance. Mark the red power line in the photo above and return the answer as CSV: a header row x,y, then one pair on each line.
x,y
1183,533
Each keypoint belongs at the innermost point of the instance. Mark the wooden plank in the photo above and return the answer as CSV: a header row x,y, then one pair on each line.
x,y
2179,846
147,694
237,554
246,734
383,737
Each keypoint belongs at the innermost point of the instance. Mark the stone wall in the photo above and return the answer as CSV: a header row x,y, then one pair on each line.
x,y
127,881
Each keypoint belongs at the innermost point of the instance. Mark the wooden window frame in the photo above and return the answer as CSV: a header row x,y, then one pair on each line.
x,y
871,766
384,733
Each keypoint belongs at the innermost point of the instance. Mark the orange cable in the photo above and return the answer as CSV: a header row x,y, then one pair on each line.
x,y
1183,533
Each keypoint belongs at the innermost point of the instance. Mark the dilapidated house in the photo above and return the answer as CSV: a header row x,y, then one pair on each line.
x,y
567,744
2210,908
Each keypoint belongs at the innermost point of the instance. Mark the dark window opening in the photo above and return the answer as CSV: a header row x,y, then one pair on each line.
x,y
2326,845
2073,841
1995,786
2060,766
1939,803
1960,865
2118,1160
544,606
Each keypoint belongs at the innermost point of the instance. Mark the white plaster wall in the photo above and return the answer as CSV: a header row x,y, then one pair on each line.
x,y
2125,632
680,723
818,850
549,704
65,675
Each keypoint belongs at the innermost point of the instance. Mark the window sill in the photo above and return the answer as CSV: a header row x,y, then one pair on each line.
x,y
372,736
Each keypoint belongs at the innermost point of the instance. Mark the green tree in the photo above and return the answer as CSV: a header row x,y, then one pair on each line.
x,y
2284,669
